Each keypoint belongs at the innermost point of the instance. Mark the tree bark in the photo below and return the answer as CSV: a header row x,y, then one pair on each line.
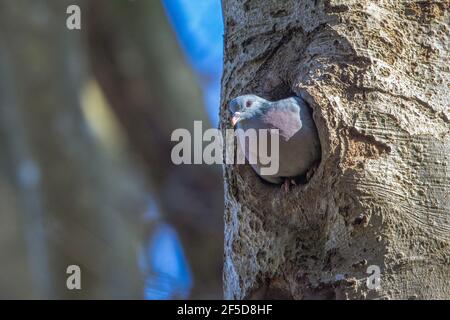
x,y
376,75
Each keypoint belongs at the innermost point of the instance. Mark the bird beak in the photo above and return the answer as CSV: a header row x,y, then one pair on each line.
x,y
236,118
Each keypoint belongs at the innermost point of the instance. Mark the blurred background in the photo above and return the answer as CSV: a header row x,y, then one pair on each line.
x,y
85,171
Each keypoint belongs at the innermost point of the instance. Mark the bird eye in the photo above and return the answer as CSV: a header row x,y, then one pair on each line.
x,y
248,103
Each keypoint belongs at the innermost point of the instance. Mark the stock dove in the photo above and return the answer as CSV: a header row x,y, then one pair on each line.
x,y
299,146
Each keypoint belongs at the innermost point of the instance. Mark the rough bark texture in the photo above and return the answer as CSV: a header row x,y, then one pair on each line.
x,y
376,74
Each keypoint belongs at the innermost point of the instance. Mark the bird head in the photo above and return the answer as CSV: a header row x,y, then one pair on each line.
x,y
245,107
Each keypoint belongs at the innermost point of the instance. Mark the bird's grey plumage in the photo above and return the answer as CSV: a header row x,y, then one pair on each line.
x,y
299,146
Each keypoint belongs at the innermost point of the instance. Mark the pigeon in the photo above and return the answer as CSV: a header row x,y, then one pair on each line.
x,y
299,145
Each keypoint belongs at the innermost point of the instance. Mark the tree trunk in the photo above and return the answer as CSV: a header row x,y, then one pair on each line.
x,y
376,75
